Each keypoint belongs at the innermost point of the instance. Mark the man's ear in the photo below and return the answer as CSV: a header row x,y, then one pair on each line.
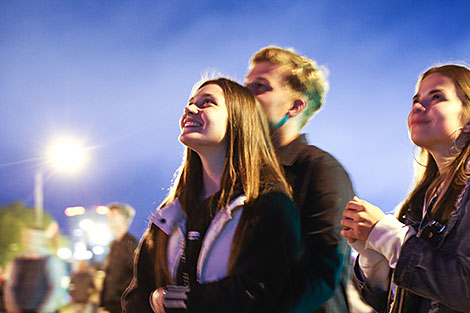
x,y
299,105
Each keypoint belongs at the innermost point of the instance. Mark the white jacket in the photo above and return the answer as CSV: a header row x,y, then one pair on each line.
x,y
215,251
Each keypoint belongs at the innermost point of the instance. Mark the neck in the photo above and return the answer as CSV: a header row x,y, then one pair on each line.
x,y
212,168
118,234
442,158
282,137
287,133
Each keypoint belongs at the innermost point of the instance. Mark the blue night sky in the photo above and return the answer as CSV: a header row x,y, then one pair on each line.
x,y
117,75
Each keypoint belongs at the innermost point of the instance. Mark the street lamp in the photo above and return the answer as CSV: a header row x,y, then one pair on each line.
x,y
66,155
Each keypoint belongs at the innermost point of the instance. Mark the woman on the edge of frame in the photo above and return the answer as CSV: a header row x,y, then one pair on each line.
x,y
420,261
228,233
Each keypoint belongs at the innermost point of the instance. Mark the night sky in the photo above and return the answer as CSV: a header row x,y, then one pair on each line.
x,y
117,75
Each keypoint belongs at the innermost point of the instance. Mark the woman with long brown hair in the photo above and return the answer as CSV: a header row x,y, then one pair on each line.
x,y
425,251
228,232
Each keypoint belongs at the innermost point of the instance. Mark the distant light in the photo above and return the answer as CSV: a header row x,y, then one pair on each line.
x,y
65,282
78,232
82,254
98,250
102,209
79,246
64,253
67,154
100,234
74,210
86,224
88,255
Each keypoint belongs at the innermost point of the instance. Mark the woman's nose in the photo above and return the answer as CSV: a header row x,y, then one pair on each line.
x,y
191,108
418,106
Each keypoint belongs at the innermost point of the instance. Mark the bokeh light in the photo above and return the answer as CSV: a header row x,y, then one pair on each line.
x,y
67,154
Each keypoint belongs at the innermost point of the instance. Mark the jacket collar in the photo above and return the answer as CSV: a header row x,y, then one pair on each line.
x,y
168,217
288,153
172,215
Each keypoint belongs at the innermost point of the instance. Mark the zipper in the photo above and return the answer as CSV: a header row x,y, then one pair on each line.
x,y
399,295
400,304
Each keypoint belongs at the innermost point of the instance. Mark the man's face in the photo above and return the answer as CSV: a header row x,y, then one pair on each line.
x,y
266,82
116,221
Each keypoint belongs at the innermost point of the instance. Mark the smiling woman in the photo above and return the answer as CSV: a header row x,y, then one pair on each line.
x,y
204,122
425,248
227,235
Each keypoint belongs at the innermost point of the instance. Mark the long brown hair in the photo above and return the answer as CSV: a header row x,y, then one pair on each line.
x,y
250,161
449,185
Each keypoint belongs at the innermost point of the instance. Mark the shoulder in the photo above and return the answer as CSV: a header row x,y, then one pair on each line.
x,y
276,198
129,241
130,238
319,168
275,204
314,156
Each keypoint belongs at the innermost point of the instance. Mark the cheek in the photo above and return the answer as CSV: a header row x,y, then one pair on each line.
x,y
264,101
224,128
450,122
181,122
408,121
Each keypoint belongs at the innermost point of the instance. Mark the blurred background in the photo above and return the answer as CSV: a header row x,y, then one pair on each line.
x,y
108,80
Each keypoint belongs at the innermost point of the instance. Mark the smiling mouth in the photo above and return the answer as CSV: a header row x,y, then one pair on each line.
x,y
419,122
192,124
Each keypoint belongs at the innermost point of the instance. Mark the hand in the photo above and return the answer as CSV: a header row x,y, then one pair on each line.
x,y
360,219
158,297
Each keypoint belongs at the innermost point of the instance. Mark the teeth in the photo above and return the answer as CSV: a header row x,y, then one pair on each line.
x,y
192,124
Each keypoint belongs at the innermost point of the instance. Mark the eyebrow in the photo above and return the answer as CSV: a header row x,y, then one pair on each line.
x,y
434,91
259,79
203,96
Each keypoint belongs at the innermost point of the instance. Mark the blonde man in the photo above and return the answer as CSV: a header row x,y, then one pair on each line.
x,y
291,88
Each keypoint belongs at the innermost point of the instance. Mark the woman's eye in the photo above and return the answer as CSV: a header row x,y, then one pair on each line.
x,y
260,87
436,97
207,101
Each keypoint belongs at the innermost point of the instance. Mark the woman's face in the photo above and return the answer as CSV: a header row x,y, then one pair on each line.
x,y
204,122
435,116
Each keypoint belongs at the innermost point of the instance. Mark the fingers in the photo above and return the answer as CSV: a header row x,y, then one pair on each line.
x,y
350,234
158,296
356,204
351,215
348,223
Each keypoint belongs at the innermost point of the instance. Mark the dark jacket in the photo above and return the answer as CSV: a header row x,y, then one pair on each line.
x,y
321,190
259,276
118,271
81,285
431,278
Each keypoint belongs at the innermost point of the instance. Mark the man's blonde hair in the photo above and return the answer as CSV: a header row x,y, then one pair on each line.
x,y
303,75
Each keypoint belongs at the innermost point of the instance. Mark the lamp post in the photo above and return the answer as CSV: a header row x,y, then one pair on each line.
x,y
67,155
39,197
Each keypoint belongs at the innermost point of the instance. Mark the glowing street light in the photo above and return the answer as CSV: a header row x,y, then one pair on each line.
x,y
67,155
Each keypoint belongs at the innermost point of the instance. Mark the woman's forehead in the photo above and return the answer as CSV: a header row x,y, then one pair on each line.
x,y
210,89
